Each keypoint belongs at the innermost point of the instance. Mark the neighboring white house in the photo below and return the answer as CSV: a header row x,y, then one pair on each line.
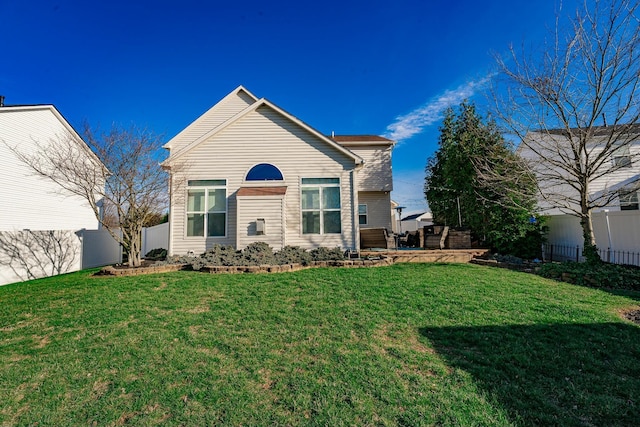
x,y
617,222
416,221
39,220
248,171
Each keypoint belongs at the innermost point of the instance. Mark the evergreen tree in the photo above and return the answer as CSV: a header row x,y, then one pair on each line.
x,y
458,194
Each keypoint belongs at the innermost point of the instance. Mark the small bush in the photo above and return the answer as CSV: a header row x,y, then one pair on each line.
x,y
157,254
258,253
326,254
601,275
222,255
510,259
293,255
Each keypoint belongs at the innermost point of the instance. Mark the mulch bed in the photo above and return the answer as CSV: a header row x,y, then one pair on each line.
x,y
633,315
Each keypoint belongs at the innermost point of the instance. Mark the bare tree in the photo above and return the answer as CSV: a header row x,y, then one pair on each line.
x,y
127,190
574,107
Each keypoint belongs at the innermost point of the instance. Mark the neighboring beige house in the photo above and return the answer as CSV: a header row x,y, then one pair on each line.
x,y
248,171
39,220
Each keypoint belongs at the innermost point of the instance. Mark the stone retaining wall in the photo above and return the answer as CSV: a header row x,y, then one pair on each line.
x,y
452,255
117,271
372,259
215,269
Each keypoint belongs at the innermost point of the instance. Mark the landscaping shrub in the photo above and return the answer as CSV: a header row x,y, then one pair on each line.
x,y
222,255
601,275
258,253
157,254
510,259
326,254
293,255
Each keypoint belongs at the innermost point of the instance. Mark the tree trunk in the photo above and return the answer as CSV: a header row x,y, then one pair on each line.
x,y
590,250
135,258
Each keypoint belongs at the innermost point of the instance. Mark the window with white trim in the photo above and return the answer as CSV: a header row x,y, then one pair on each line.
x,y
628,200
621,156
207,208
321,206
363,217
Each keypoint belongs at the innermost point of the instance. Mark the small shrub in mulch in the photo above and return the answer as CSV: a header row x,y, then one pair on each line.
x,y
158,254
327,254
601,275
258,253
293,255
510,259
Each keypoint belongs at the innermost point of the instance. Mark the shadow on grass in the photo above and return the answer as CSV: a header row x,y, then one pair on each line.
x,y
562,374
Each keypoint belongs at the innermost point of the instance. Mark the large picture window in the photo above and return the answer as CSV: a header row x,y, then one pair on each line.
x,y
321,206
207,208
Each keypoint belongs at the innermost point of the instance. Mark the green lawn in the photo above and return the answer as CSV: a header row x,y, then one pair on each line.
x,y
410,344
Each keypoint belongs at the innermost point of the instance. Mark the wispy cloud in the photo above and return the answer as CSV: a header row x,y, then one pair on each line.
x,y
414,122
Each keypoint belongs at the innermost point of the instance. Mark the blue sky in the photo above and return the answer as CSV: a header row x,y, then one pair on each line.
x,y
353,67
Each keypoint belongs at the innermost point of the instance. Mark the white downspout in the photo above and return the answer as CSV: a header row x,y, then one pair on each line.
x,y
354,212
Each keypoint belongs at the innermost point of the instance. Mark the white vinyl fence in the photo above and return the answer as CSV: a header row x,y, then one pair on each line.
x,y
155,237
99,248
32,254
27,254
617,233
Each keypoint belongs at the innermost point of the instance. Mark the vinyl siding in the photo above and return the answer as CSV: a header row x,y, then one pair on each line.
x,y
270,208
375,174
212,118
378,203
28,201
263,136
605,183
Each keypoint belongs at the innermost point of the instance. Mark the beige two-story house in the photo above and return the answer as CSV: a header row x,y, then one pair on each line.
x,y
248,171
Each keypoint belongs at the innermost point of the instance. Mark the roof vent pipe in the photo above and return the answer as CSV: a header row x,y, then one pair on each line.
x,y
1,101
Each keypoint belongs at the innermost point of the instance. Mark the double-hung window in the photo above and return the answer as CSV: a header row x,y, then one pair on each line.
x,y
321,206
362,215
207,208
621,156
628,200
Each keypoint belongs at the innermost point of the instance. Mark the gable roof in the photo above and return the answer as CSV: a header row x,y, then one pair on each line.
x,y
249,109
628,128
49,107
353,140
63,121
415,216
215,115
